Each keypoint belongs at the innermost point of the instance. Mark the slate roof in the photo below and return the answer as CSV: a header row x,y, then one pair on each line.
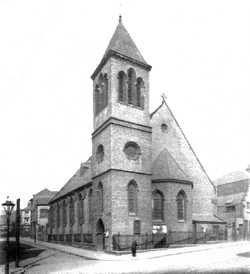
x,y
43,197
79,179
122,45
233,177
165,167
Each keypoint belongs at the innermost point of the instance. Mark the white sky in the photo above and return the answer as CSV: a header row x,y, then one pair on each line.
x,y
200,53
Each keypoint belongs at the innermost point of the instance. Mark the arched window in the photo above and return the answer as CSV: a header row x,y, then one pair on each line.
x,y
58,215
99,153
181,205
131,86
100,197
72,211
90,206
97,99
101,93
122,86
105,81
132,197
158,205
64,213
139,92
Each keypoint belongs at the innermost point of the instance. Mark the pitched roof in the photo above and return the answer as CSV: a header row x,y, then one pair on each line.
x,y
235,176
79,179
207,219
164,103
43,196
122,45
166,167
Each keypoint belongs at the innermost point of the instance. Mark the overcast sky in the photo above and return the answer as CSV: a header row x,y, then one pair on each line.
x,y
200,54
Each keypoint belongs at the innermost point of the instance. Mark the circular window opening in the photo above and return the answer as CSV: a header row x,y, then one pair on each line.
x,y
132,150
164,127
99,153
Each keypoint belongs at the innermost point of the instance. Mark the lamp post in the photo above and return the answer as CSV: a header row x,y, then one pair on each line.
x,y
8,207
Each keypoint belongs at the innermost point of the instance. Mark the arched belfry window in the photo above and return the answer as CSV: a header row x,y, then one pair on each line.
x,y
122,86
181,201
132,197
158,205
131,86
100,197
101,93
139,92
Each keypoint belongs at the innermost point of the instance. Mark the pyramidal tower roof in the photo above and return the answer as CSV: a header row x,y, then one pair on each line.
x,y
122,45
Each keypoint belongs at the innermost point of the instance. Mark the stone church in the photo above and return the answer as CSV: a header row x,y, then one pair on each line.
x,y
143,177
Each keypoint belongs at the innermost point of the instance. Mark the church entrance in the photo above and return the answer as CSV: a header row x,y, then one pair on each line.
x,y
100,240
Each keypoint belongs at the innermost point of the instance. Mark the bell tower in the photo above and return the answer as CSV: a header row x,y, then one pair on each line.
x,y
122,141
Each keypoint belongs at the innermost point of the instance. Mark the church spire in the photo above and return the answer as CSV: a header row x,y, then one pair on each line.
x,y
122,45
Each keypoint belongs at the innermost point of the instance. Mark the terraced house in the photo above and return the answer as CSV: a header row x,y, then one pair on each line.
x,y
143,179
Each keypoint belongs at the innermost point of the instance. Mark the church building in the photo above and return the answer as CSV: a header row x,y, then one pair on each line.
x,y
143,177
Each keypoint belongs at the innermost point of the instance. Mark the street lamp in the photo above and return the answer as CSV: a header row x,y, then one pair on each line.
x,y
8,207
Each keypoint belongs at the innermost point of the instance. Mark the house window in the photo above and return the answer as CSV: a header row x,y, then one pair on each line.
x,y
181,205
132,197
158,205
164,127
248,205
44,213
137,227
230,208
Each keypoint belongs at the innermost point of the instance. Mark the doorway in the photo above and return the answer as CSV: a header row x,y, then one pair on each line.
x,y
100,240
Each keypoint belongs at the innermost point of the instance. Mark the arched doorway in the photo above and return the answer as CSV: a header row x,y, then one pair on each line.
x,y
100,241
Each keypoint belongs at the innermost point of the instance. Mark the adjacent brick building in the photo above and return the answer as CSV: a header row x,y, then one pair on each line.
x,y
143,176
233,203
39,209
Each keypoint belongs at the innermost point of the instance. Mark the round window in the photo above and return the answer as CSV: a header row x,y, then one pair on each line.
x,y
164,127
132,150
99,153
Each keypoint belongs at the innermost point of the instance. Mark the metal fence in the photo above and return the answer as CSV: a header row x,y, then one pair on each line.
x,y
123,242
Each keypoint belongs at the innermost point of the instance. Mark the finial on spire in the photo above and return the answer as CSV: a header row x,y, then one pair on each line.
x,y
120,18
164,96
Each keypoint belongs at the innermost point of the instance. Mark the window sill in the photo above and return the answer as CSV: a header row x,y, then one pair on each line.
x,y
181,221
130,105
131,214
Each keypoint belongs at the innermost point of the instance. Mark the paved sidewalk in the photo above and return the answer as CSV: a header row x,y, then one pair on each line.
x,y
149,254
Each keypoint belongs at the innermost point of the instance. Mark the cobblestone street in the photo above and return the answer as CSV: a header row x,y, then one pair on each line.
x,y
218,258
